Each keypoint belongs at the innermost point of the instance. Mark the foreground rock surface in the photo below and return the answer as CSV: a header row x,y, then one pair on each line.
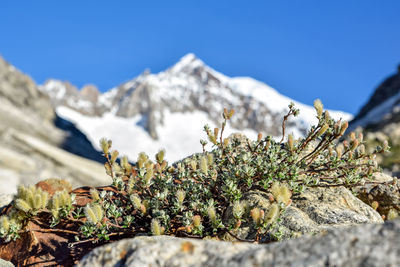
x,y
312,211
365,245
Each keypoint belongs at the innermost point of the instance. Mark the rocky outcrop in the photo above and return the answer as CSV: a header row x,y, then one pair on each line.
x,y
35,143
385,196
365,245
312,211
385,102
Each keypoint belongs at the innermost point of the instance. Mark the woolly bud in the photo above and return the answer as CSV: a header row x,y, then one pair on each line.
x,y
142,159
226,142
339,150
193,164
95,194
148,176
204,165
327,115
160,156
114,155
354,144
125,164
237,210
108,168
22,192
290,142
180,196
136,201
155,227
104,144
343,128
336,127
23,205
130,185
375,204
212,215
216,131
259,137
196,221
4,223
212,138
98,211
55,202
90,215
45,199
318,107
143,209
37,201
65,198
273,213
256,215
210,159
281,193
323,129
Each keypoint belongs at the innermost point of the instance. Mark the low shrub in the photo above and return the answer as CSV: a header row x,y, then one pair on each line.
x,y
191,197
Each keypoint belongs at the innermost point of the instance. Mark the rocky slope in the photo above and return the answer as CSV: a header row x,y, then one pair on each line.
x,y
169,109
380,116
383,107
34,142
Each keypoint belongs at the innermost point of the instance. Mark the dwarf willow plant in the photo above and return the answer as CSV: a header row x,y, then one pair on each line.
x,y
194,197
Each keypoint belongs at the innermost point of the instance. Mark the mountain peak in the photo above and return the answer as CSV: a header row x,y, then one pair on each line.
x,y
187,63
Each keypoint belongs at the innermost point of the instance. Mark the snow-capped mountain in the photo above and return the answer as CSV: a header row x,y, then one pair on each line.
x,y
169,109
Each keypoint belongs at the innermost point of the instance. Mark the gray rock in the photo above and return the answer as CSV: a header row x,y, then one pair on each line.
x,y
313,211
387,194
4,263
365,245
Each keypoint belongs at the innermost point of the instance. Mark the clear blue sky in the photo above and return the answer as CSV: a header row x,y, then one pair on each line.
x,y
337,50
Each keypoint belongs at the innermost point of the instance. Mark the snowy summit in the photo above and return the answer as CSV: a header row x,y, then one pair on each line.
x,y
169,109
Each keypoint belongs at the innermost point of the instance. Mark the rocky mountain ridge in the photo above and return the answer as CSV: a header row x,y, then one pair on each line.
x,y
383,107
35,143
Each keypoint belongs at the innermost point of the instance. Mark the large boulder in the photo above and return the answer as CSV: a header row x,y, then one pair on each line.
x,y
364,245
312,211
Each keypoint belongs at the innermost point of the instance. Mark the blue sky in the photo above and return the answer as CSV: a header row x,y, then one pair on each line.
x,y
338,51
